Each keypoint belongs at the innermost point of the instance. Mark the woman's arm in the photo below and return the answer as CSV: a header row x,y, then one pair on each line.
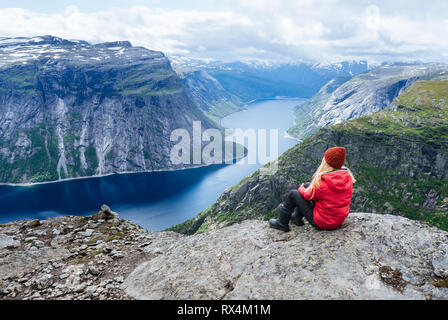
x,y
308,194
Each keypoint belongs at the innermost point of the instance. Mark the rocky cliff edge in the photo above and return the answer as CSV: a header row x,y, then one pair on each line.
x,y
371,256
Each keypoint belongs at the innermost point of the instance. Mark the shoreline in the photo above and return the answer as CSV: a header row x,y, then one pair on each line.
x,y
247,104
286,135
273,98
31,184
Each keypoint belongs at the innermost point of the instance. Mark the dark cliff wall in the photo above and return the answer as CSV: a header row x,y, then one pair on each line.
x,y
77,109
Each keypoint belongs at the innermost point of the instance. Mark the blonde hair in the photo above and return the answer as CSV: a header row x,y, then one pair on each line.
x,y
324,168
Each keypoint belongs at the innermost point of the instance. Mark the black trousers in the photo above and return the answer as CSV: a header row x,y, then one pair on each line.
x,y
304,208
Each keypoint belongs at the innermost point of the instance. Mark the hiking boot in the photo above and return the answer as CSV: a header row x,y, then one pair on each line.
x,y
296,220
282,223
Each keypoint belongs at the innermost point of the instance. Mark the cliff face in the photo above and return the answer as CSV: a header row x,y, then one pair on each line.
x,y
209,95
71,109
399,158
341,100
102,257
304,124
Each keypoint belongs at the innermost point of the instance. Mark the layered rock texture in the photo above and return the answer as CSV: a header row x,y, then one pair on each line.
x,y
343,98
71,109
399,157
370,256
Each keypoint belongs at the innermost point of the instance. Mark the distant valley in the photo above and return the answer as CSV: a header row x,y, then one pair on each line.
x,y
70,109
251,80
399,157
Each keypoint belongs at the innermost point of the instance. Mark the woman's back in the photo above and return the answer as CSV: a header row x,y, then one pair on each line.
x,y
332,199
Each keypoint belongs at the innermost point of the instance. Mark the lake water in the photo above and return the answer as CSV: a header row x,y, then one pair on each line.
x,y
154,200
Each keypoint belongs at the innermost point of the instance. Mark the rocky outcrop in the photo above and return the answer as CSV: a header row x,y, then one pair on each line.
x,y
74,257
370,256
71,109
106,214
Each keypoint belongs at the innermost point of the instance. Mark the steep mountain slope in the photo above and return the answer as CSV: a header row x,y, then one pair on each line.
x,y
209,95
251,80
399,157
363,94
305,112
71,109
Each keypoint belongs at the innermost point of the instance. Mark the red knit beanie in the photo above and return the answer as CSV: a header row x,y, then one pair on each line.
x,y
335,157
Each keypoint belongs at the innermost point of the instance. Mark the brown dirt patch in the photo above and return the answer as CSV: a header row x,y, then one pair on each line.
x,y
392,277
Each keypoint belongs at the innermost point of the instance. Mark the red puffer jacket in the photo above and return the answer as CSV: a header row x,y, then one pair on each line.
x,y
332,199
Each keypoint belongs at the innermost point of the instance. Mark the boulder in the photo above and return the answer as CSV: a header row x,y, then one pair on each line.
x,y
106,214
370,256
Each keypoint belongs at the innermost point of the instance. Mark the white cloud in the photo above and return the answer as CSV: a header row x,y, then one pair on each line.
x,y
320,30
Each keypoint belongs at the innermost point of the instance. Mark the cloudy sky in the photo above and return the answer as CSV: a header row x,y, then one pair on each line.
x,y
286,30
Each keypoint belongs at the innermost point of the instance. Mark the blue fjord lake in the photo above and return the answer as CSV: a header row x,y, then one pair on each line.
x,y
154,200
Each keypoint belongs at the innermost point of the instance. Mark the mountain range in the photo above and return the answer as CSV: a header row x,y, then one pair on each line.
x,y
252,80
345,98
71,109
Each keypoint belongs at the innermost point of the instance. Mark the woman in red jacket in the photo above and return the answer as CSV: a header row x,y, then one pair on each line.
x,y
325,202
